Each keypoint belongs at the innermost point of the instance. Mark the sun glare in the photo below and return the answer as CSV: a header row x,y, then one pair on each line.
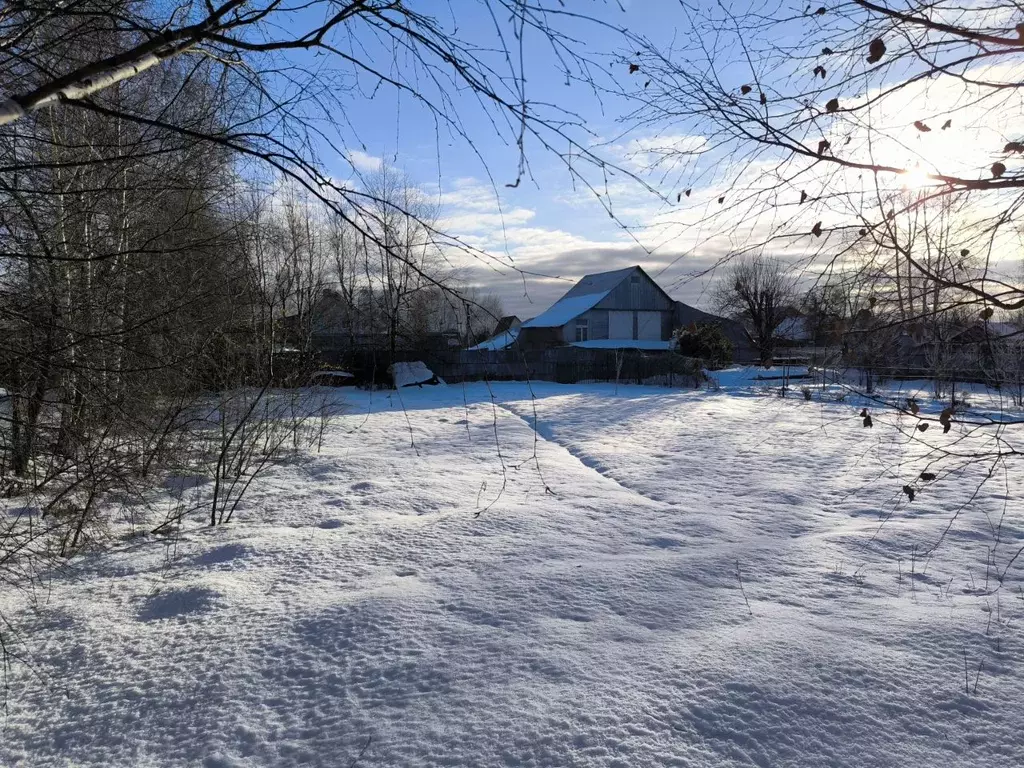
x,y
915,178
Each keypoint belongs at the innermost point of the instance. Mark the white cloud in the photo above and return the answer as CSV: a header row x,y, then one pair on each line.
x,y
476,222
364,162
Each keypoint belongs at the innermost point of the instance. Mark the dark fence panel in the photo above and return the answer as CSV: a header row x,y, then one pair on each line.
x,y
568,365
565,365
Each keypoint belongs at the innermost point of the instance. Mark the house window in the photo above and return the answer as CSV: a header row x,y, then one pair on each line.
x,y
582,330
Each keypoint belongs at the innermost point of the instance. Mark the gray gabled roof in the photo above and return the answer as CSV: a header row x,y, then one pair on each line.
x,y
687,315
599,282
585,295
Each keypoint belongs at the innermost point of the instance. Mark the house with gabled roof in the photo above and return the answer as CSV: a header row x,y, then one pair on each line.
x,y
620,309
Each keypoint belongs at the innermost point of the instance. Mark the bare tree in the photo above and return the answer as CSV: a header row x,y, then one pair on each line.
x,y
845,134
823,128
405,265
482,312
760,292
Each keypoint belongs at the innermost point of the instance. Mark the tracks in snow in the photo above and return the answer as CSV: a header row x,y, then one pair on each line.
x,y
547,434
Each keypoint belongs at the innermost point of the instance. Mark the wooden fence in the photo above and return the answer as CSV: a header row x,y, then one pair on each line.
x,y
568,365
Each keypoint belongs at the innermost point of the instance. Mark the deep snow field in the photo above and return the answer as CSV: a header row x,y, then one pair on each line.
x,y
655,578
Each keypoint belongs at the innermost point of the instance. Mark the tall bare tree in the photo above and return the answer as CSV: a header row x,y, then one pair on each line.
x,y
822,128
846,133
760,292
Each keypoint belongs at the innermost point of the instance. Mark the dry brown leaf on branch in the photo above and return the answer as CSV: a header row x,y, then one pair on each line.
x,y
876,50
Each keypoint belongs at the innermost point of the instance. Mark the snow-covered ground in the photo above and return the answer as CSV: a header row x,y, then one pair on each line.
x,y
649,577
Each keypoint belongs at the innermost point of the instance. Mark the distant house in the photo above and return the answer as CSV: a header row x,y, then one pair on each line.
x,y
505,334
621,309
795,329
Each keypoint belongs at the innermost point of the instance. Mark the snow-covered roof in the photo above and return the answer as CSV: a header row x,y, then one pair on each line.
x,y
1003,330
501,341
332,374
794,329
649,344
565,309
586,294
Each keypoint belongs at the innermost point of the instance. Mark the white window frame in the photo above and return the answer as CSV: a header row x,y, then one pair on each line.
x,y
582,324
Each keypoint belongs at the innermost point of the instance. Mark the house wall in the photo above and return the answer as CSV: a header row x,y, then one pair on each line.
x,y
540,338
668,324
636,296
648,324
598,319
620,323
742,349
643,324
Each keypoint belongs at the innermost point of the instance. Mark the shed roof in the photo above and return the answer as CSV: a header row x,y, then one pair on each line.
x,y
503,340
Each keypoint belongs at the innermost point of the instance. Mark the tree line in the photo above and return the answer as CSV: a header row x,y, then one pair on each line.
x,y
163,271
